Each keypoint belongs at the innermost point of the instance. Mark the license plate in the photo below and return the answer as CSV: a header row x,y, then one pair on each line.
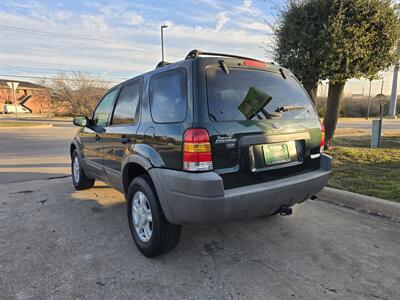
x,y
276,154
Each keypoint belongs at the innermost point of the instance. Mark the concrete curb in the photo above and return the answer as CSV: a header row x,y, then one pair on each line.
x,y
29,126
368,204
33,119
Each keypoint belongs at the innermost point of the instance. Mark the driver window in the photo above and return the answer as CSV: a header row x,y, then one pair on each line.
x,y
103,110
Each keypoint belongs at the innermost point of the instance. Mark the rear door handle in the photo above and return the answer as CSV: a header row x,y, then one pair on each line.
x,y
124,140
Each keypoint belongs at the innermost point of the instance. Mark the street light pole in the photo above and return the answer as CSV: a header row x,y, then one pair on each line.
x,y
15,105
13,85
393,96
162,41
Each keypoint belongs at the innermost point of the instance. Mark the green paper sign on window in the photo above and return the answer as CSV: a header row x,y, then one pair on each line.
x,y
254,102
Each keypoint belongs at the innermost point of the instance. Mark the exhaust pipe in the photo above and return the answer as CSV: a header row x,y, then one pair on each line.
x,y
285,211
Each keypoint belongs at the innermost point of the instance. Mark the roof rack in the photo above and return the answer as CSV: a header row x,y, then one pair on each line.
x,y
162,64
196,53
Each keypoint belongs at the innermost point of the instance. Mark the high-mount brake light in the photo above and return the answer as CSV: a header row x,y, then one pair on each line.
x,y
197,154
254,63
322,142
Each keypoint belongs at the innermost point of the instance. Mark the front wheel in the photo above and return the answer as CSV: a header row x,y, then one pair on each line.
x,y
151,232
79,178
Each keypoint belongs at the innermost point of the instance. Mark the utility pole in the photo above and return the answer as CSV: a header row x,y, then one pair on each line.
x,y
393,96
369,98
13,85
162,41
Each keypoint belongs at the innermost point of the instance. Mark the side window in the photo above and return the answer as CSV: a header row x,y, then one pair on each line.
x,y
127,103
103,110
168,96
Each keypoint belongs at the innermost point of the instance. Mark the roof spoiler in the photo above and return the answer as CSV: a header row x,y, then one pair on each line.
x,y
197,53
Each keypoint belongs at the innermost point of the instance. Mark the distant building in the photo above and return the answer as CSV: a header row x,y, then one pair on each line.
x,y
33,97
357,96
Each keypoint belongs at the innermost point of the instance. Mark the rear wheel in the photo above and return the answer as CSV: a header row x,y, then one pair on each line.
x,y
151,232
79,178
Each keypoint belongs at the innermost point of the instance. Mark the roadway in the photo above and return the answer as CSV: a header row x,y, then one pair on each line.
x,y
29,153
387,124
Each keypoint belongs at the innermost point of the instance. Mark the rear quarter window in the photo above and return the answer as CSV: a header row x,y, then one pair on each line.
x,y
245,94
127,104
168,96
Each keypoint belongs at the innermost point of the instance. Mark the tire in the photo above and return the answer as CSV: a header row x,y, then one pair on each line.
x,y
160,236
79,179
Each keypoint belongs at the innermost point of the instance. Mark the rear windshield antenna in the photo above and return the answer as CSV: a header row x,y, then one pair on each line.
x,y
223,66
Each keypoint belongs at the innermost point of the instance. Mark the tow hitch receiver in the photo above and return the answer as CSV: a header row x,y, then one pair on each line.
x,y
285,211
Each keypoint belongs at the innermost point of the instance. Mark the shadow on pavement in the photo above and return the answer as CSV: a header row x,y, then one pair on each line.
x,y
37,165
13,177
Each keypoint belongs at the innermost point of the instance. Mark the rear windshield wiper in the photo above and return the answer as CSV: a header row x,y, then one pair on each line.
x,y
212,117
278,112
289,108
267,115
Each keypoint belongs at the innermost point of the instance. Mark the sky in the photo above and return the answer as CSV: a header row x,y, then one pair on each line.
x,y
116,40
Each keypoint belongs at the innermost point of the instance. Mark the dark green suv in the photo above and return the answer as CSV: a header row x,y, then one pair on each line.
x,y
212,138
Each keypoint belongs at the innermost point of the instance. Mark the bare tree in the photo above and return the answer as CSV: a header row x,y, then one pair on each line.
x,y
75,94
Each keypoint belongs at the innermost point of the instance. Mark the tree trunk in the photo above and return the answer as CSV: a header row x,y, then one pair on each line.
x,y
311,88
335,94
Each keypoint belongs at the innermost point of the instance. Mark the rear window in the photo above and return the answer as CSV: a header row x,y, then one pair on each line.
x,y
245,94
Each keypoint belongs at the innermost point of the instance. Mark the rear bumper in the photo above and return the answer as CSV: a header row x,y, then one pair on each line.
x,y
201,198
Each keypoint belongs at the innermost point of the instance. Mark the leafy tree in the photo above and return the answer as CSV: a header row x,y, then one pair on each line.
x,y
360,41
300,33
336,40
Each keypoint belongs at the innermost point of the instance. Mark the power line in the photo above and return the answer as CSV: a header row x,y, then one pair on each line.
x,y
56,67
51,70
50,78
68,36
39,64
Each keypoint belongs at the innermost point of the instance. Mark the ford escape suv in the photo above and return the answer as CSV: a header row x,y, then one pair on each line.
x,y
212,138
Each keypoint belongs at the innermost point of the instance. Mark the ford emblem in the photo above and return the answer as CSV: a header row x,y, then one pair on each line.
x,y
276,125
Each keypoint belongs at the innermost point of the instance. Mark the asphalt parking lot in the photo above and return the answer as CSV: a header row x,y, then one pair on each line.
x,y
58,243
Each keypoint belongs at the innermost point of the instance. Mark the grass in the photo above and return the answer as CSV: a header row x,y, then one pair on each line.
x,y
20,124
360,169
364,141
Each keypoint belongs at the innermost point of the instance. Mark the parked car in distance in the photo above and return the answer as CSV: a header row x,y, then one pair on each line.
x,y
212,138
11,109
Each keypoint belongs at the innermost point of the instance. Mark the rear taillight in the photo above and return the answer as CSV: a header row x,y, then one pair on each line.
x,y
322,142
197,150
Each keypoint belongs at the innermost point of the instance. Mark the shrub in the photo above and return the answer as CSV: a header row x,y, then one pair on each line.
x,y
357,108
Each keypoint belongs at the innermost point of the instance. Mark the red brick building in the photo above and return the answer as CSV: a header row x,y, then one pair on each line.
x,y
34,97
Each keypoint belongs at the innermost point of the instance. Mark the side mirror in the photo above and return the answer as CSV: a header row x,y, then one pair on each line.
x,y
81,121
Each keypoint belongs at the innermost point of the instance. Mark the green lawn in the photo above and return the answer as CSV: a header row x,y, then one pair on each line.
x,y
373,172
